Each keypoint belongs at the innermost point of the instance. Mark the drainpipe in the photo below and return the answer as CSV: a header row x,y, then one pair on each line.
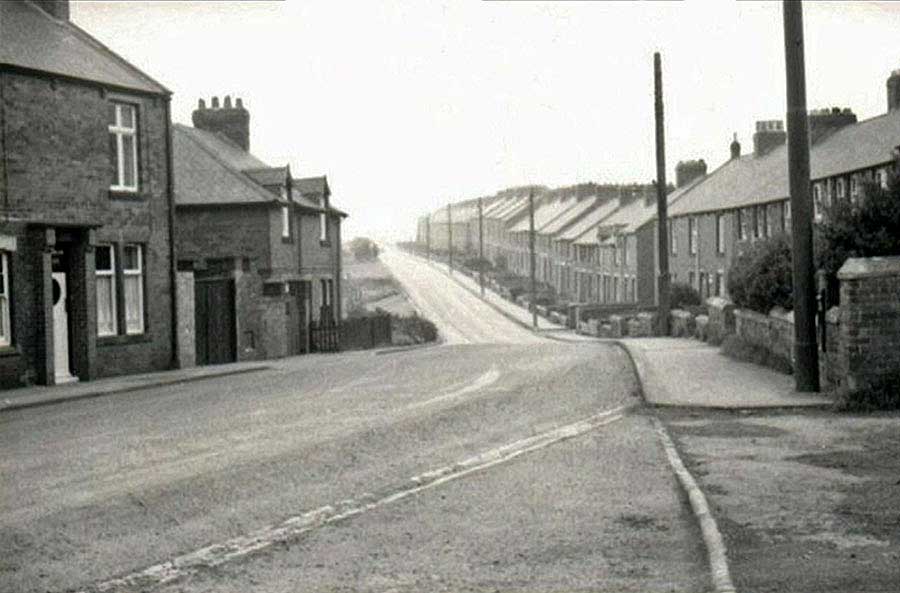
x,y
170,197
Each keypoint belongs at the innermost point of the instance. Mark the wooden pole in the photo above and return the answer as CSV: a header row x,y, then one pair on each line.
x,y
481,246
661,204
806,371
534,320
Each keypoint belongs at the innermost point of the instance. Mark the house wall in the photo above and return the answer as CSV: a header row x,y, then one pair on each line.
x,y
57,171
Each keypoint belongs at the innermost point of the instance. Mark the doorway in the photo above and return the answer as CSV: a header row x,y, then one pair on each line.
x,y
61,333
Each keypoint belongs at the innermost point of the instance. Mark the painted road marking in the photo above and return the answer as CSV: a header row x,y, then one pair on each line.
x,y
217,554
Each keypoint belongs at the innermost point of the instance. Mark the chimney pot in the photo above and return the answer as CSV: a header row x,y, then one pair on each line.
x,y
227,101
238,103
215,102
735,147
201,104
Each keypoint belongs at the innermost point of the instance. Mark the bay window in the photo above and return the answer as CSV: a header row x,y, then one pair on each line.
x,y
5,329
123,141
133,278
106,290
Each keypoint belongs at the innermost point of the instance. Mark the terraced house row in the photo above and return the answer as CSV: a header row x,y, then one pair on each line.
x,y
598,244
129,244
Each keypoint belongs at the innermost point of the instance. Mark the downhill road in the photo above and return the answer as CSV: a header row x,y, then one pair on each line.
x,y
497,461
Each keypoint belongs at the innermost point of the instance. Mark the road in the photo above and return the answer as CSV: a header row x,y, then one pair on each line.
x,y
499,460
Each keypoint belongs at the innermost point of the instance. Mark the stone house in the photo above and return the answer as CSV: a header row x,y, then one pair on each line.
x,y
87,276
258,250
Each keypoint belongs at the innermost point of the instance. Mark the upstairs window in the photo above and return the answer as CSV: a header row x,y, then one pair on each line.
x,y
133,277
840,189
285,223
323,227
692,235
673,238
123,141
761,225
720,233
741,225
5,330
106,290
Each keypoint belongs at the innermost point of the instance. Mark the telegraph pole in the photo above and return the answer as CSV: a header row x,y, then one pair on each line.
x,y
450,235
806,356
481,246
661,204
428,237
534,321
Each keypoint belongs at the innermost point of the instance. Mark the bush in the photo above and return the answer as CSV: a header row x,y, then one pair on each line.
x,y
683,295
881,395
736,347
760,277
417,330
868,228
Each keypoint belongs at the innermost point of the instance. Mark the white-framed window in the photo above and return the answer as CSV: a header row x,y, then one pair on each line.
x,y
133,277
761,226
323,227
123,146
720,283
285,222
625,250
673,238
5,329
615,251
787,216
818,206
692,235
105,257
720,233
741,225
854,187
840,189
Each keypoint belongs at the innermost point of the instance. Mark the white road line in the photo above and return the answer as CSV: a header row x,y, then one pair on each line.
x,y
213,555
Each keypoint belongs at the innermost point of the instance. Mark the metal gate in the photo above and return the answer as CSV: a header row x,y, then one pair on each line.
x,y
214,320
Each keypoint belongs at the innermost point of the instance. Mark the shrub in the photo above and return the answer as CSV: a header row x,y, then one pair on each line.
x,y
883,394
418,329
736,347
683,295
868,228
760,277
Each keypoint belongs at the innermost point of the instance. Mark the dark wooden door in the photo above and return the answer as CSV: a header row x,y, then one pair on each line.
x,y
214,321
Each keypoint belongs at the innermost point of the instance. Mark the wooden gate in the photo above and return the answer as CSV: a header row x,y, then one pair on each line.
x,y
324,337
214,321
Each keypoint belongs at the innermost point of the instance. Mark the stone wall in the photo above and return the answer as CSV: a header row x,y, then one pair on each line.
x,y
869,349
774,332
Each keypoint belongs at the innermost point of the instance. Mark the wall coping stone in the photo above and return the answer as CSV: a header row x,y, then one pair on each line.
x,y
833,315
718,302
869,267
681,314
782,314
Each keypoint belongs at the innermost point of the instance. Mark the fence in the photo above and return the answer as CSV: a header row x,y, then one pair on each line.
x,y
361,333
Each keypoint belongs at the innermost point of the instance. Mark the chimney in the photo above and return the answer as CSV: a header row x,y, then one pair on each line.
x,y
893,90
232,122
627,194
769,134
823,122
735,148
58,9
687,171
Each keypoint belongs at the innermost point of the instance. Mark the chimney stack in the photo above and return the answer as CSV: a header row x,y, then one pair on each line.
x,y
735,148
893,90
769,134
687,171
232,122
822,122
58,9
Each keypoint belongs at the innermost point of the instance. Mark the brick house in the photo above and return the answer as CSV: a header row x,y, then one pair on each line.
x,y
87,278
747,198
262,249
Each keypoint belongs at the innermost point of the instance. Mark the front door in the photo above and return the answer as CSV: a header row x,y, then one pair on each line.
x,y
214,321
63,371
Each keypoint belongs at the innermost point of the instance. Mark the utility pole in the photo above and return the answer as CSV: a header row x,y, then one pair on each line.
x,y
481,246
661,204
428,236
531,249
450,235
806,356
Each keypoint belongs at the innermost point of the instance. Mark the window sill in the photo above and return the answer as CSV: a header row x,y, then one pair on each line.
x,y
9,351
124,194
122,340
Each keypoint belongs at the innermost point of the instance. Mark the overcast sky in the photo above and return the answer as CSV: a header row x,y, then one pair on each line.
x,y
409,104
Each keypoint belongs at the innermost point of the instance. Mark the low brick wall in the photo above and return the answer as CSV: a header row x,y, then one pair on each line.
x,y
642,325
869,349
774,332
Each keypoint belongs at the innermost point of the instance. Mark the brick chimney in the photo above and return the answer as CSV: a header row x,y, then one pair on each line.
x,y
230,121
825,121
893,90
58,9
687,171
769,134
735,148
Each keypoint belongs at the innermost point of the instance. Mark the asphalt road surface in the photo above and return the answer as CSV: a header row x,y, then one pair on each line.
x,y
497,461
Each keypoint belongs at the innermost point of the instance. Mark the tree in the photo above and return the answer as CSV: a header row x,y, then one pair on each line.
x,y
363,249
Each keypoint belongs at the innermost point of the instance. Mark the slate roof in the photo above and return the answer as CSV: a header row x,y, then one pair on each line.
x,y
30,38
309,190
648,214
858,146
202,177
589,221
223,148
543,214
570,216
268,175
